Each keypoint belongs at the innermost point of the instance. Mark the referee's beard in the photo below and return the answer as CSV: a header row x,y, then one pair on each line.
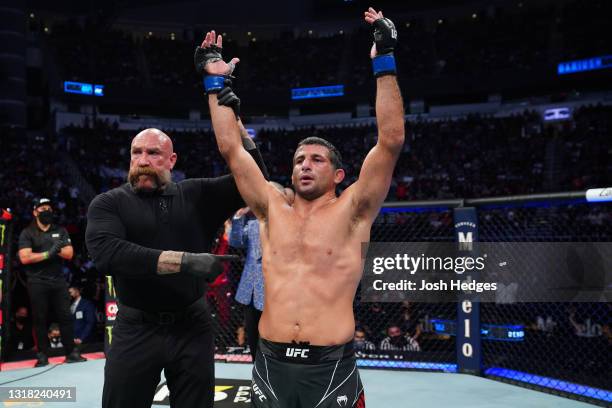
x,y
147,180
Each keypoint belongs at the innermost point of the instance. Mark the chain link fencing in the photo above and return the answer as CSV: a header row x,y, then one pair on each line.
x,y
565,347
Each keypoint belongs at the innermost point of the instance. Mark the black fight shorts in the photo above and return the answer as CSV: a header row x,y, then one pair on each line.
x,y
304,376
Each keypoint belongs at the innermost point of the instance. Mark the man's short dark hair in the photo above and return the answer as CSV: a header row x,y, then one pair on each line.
x,y
334,155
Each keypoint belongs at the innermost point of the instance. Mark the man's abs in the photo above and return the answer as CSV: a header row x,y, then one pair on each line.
x,y
308,306
312,266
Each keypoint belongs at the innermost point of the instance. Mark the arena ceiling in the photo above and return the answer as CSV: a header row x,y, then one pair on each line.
x,y
242,11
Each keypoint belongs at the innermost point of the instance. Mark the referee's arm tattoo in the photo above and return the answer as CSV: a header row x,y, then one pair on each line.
x,y
169,262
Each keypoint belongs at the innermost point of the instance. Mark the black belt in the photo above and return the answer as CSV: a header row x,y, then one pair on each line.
x,y
189,313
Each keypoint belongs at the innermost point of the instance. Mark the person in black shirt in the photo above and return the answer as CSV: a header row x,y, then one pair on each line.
x,y
42,247
21,332
153,237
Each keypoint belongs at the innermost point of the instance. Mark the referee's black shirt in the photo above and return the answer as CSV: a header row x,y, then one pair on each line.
x,y
126,233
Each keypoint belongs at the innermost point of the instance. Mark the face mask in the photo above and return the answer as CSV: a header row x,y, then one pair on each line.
x,y
55,340
359,344
397,340
20,319
45,217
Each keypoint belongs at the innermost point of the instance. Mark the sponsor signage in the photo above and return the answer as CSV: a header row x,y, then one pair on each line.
x,y
228,393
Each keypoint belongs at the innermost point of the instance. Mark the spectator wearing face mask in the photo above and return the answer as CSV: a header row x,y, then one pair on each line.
x,y
373,318
43,246
55,336
360,343
21,332
397,341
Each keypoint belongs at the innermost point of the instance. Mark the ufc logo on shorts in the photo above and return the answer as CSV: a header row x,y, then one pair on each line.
x,y
260,396
296,352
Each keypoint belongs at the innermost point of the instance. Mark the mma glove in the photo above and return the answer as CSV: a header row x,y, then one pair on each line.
x,y
385,38
204,265
205,56
209,55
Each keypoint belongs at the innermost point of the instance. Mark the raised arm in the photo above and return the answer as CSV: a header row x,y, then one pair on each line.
x,y
249,178
372,187
252,149
225,187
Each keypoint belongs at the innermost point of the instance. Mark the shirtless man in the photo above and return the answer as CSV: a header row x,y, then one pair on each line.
x,y
312,261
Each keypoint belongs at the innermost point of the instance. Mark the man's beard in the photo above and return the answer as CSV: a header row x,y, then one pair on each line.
x,y
160,180
309,194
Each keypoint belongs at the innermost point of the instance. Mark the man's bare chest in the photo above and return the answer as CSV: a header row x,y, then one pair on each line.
x,y
322,234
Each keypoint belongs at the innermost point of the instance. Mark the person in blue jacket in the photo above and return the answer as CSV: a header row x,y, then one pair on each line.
x,y
83,313
245,234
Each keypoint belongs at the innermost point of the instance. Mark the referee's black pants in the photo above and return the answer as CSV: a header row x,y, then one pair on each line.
x,y
43,297
144,343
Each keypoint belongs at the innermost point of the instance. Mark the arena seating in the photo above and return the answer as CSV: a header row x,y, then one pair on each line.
x,y
514,38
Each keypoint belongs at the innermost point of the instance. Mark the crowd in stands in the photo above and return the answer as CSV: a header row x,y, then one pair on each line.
x,y
92,52
460,158
469,157
587,150
513,38
31,168
465,158
304,61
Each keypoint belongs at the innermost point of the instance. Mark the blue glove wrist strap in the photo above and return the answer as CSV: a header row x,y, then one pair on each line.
x,y
383,64
213,83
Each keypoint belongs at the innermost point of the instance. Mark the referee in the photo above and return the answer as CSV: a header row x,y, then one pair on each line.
x,y
42,247
153,237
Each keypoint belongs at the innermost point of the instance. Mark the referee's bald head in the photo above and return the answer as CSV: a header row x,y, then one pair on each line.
x,y
151,134
152,159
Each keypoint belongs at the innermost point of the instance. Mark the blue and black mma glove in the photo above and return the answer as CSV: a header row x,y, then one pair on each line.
x,y
385,38
204,56
219,84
